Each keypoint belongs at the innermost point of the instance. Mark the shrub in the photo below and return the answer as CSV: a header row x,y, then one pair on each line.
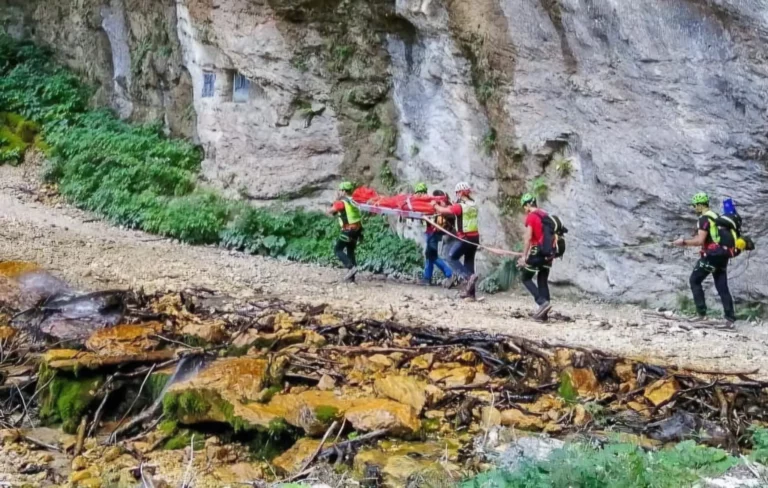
x,y
134,176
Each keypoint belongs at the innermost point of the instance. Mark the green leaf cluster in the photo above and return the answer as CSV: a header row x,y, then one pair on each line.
x,y
136,177
614,466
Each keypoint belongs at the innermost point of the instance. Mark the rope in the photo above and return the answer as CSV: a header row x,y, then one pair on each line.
x,y
636,246
492,250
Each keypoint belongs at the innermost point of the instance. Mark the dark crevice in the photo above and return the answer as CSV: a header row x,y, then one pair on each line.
x,y
552,7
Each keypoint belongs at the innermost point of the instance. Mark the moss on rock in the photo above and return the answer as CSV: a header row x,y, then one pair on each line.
x,y
64,399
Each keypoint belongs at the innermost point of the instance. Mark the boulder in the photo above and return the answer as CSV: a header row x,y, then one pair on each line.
x,y
424,361
516,418
291,461
404,389
375,414
327,383
661,391
209,331
460,376
411,464
125,339
72,359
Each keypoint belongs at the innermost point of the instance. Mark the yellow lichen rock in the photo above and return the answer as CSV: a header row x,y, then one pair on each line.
x,y
293,459
124,339
375,414
404,389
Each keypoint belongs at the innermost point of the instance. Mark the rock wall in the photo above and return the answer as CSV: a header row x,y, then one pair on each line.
x,y
650,101
128,49
614,112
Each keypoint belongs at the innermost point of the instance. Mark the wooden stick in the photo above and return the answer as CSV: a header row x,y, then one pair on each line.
x,y
312,458
343,445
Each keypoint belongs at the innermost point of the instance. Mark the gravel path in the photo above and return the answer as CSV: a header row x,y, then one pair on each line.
x,y
94,255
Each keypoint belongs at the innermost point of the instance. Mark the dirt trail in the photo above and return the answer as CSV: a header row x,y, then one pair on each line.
x,y
94,255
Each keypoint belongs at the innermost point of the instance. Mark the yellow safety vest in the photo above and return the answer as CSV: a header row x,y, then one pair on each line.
x,y
468,221
351,215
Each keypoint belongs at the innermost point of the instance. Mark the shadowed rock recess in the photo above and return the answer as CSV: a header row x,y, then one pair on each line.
x,y
619,110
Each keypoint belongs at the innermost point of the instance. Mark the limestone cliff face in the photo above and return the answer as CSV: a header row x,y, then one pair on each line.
x,y
129,49
618,110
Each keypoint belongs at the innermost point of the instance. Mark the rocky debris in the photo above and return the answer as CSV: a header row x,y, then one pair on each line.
x,y
661,391
412,464
371,415
209,332
124,340
368,377
73,359
294,458
404,389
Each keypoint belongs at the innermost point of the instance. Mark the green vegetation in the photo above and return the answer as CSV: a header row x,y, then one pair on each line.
x,y
135,177
485,80
65,399
269,393
563,166
387,177
501,278
488,142
540,188
185,404
566,390
183,438
614,466
326,413
370,122
748,311
17,134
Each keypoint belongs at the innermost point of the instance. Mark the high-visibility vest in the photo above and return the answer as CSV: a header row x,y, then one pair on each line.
x,y
350,216
467,221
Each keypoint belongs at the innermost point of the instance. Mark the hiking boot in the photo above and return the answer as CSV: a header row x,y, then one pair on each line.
x,y
730,323
423,282
350,276
449,283
542,311
699,318
469,290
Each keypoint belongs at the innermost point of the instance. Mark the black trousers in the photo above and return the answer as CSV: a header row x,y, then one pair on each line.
x,y
717,266
538,266
347,241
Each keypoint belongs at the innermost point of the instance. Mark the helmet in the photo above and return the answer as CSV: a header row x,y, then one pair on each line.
x,y
346,186
420,188
463,186
700,198
526,199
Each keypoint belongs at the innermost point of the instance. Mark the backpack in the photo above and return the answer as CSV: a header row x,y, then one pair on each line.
x,y
553,244
729,232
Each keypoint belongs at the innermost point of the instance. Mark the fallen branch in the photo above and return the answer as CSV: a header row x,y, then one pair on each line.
x,y
329,451
39,443
312,458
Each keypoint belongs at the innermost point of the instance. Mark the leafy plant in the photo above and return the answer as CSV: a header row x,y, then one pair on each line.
x,y
613,466
387,177
488,143
540,188
370,122
300,61
134,176
563,166
501,278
